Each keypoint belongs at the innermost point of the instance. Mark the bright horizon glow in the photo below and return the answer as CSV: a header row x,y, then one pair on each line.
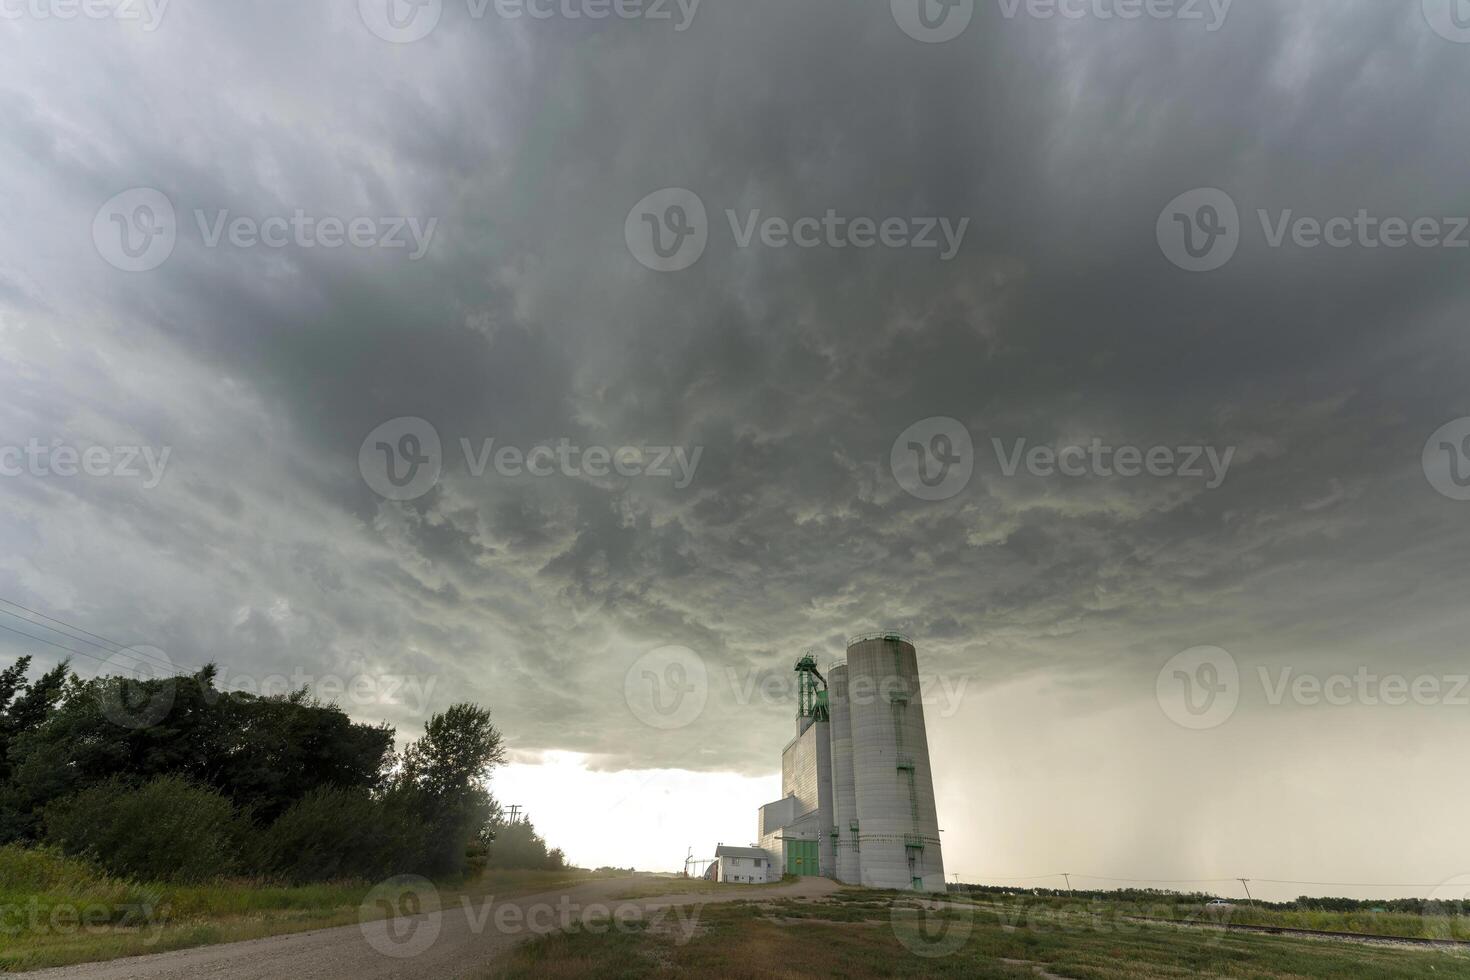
x,y
641,818
1030,782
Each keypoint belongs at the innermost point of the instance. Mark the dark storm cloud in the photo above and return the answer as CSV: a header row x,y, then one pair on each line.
x,y
528,321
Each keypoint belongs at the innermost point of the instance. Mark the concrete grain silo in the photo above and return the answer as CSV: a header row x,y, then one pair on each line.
x,y
844,792
857,794
898,827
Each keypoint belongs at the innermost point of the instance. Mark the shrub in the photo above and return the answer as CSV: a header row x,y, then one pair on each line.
x,y
169,829
333,834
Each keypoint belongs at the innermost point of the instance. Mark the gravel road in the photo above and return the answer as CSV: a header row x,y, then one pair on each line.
x,y
459,941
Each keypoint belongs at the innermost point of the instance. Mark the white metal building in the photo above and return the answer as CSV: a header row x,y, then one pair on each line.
x,y
745,865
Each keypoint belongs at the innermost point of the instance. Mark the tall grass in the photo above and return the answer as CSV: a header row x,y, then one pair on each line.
x,y
1396,924
57,910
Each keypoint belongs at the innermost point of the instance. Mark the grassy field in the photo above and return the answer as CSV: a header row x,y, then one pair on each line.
x,y
1369,923
55,911
867,934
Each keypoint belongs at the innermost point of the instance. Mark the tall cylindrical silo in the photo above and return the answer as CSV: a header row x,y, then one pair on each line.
x,y
898,827
844,793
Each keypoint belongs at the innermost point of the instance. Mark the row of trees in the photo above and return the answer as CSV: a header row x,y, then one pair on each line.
x,y
175,779
1152,896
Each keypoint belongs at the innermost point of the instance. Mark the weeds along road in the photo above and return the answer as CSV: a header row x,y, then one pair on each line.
x,y
461,940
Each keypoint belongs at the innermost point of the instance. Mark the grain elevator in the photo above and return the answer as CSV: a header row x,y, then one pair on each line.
x,y
857,799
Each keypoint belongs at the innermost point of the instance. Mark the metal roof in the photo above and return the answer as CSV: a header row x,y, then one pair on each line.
x,y
853,641
724,850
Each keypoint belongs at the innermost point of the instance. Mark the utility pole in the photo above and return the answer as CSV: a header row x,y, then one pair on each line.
x,y
1246,884
1069,882
515,809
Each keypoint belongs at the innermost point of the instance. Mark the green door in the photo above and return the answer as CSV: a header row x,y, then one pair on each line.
x,y
801,857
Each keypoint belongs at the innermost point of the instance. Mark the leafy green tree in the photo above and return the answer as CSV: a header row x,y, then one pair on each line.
x,y
517,845
264,753
334,834
166,829
174,778
443,778
24,708
458,750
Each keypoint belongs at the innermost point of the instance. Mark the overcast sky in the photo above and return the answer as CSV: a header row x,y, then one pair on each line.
x,y
496,287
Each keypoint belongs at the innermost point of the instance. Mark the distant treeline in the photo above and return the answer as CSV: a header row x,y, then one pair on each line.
x,y
174,779
1153,896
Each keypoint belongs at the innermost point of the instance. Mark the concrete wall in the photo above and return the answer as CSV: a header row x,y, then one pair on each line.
x,y
844,791
895,804
806,774
774,816
821,734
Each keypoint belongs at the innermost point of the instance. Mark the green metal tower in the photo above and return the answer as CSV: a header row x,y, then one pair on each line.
x,y
811,699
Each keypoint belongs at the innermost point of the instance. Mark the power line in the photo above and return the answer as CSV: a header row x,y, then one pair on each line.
x,y
79,653
112,643
114,646
1159,881
111,646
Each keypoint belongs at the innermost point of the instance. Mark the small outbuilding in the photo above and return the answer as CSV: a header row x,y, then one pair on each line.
x,y
745,865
